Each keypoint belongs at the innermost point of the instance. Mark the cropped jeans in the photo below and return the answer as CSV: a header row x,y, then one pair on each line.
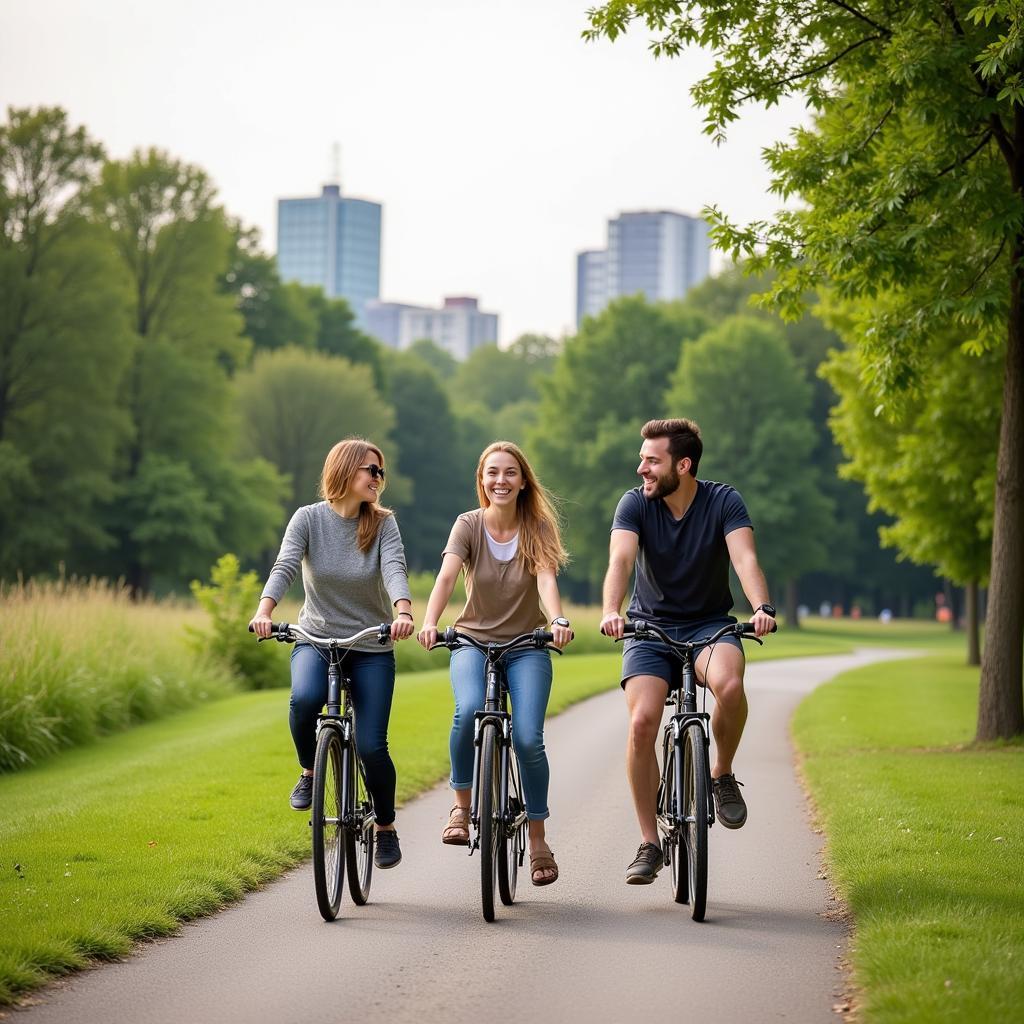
x,y
529,686
373,685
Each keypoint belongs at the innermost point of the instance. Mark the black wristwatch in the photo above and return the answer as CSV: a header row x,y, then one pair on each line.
x,y
768,609
560,621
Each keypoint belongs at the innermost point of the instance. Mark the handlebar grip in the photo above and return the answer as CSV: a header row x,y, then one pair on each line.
x,y
629,629
748,627
275,627
542,636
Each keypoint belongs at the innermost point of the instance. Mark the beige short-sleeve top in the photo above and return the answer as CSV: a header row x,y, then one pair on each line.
x,y
502,600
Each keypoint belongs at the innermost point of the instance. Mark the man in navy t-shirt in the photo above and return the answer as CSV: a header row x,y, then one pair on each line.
x,y
680,534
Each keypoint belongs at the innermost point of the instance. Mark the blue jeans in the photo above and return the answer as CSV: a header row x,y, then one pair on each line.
x,y
373,685
529,686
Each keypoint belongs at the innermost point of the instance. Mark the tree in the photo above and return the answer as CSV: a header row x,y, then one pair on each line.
x,y
912,180
337,335
296,405
932,467
743,386
609,380
276,315
65,343
179,477
429,459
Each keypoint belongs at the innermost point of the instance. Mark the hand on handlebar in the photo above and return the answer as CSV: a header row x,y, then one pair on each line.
x,y
612,625
427,637
260,625
562,635
763,623
402,627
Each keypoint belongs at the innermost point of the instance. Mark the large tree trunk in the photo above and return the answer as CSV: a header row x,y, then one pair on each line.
x,y
971,601
792,602
1001,698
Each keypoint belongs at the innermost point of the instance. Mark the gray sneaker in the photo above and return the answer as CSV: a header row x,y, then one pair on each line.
x,y
730,808
302,794
649,860
388,853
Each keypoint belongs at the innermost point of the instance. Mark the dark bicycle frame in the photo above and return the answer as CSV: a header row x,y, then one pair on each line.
x,y
495,710
685,700
339,713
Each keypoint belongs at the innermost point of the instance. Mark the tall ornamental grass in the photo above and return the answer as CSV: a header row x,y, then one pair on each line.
x,y
79,660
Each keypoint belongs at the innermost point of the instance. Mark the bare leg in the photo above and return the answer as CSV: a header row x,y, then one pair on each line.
x,y
725,680
645,699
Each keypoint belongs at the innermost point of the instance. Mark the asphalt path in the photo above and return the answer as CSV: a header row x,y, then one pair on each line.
x,y
588,946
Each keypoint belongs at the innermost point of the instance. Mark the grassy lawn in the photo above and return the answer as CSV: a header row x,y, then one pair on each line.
x,y
123,839
925,840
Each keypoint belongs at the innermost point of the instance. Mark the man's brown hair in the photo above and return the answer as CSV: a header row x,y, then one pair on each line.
x,y
683,439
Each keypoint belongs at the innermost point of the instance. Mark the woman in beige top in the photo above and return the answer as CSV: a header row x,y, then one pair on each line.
x,y
510,549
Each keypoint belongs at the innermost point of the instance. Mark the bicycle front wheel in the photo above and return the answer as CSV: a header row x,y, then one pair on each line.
x,y
328,861
490,783
671,810
512,835
359,835
695,808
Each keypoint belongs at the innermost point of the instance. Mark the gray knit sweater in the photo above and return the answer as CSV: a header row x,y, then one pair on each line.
x,y
346,589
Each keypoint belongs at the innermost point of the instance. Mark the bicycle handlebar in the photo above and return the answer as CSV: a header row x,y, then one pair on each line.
x,y
288,632
539,639
645,630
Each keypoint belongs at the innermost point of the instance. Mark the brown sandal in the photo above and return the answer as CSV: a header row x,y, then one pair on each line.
x,y
456,832
543,861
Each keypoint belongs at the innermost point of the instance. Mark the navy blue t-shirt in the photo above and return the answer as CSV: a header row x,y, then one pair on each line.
x,y
682,567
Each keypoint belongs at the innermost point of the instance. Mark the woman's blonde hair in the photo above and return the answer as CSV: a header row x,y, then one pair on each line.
x,y
540,540
340,466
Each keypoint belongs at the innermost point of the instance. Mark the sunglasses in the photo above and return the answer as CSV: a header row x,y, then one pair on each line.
x,y
377,472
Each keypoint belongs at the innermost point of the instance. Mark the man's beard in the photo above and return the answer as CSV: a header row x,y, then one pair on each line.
x,y
665,485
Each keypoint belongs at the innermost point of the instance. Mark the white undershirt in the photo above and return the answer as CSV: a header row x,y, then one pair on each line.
x,y
503,551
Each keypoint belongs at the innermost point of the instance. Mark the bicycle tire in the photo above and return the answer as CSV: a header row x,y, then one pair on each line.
x,y
672,809
695,807
359,836
510,836
328,856
489,800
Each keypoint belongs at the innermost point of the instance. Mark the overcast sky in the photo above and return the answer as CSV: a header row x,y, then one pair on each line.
x,y
498,141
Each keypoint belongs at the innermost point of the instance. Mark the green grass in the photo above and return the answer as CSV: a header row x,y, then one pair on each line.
x,y
925,840
122,840
80,660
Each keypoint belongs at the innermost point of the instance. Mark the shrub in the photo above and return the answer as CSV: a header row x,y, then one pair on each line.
x,y
229,600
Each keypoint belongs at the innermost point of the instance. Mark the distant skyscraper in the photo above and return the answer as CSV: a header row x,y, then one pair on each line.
x,y
660,254
458,327
332,241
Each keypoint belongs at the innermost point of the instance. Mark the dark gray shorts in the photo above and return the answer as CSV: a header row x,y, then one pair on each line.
x,y
653,658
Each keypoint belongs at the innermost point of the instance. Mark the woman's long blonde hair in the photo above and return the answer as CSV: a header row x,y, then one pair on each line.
x,y
540,540
340,466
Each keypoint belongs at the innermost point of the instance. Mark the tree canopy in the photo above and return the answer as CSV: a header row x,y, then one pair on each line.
x,y
911,178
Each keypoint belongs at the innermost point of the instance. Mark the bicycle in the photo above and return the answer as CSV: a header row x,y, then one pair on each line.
x,y
686,805
342,813
497,809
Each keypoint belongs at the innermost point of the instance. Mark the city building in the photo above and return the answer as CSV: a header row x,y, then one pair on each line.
x,y
458,326
332,241
659,254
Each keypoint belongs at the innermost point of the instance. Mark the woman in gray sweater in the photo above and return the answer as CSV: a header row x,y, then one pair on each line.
x,y
354,575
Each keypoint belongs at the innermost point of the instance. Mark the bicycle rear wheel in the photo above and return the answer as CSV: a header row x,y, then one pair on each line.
x,y
490,840
695,807
512,836
359,836
328,861
672,810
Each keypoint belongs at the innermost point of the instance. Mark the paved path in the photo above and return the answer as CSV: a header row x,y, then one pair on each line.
x,y
588,946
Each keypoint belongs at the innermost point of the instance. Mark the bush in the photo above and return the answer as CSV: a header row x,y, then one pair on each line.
x,y
230,600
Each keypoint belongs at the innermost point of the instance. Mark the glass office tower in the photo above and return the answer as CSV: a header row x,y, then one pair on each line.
x,y
332,241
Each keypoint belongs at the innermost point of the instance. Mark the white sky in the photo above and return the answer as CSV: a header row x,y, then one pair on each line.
x,y
498,141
